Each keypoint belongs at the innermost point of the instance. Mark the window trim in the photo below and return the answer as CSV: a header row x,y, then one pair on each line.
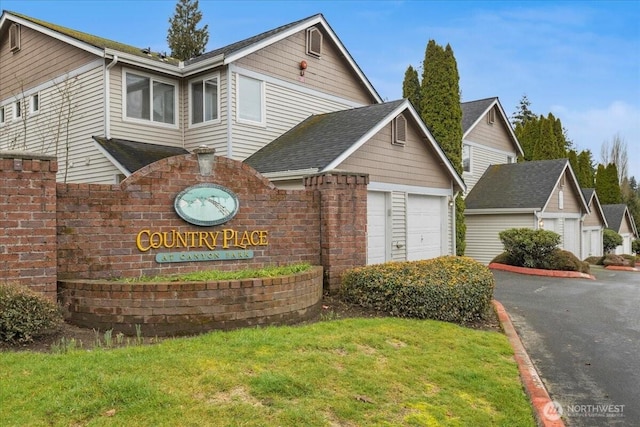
x,y
14,37
32,101
470,158
263,110
314,33
152,78
203,78
399,130
17,108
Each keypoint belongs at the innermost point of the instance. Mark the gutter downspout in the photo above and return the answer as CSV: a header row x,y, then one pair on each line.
x,y
230,69
453,223
107,97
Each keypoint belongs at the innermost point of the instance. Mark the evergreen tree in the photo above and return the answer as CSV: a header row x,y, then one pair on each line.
x,y
585,169
185,40
545,146
575,165
441,111
523,113
411,88
607,185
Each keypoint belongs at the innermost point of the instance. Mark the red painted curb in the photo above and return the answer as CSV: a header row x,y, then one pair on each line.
x,y
621,268
540,272
542,404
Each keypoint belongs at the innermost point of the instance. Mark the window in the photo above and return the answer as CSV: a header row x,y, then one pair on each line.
x,y
2,118
150,99
314,42
204,100
35,103
14,37
17,110
250,99
466,158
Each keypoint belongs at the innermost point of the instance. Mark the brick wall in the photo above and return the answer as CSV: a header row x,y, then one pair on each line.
x,y
28,221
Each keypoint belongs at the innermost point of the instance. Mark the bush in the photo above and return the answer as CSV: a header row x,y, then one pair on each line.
x,y
502,258
610,240
562,260
635,246
25,315
448,288
617,260
595,260
527,247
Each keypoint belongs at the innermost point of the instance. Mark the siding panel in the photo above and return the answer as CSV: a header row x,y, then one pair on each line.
x,y
483,243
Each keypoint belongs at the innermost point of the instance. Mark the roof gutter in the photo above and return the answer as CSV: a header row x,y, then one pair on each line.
x,y
151,64
495,211
107,96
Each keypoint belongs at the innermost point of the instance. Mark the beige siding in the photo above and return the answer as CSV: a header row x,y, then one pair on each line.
x,y
625,225
593,219
398,226
494,135
148,132
483,243
40,58
481,159
285,108
380,159
282,60
43,131
570,195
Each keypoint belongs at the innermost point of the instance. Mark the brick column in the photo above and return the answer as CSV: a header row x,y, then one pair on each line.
x,y
28,221
343,222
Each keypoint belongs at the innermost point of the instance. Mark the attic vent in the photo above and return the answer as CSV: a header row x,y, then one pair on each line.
x,y
491,116
563,181
399,130
314,42
14,37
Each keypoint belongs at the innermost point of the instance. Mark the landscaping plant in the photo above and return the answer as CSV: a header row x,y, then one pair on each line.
x,y
448,288
25,315
610,240
529,248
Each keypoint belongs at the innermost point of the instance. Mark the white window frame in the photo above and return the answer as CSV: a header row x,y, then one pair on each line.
x,y
152,78
263,113
33,108
470,157
204,78
17,110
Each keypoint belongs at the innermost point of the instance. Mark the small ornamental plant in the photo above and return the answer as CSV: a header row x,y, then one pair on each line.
x,y
25,315
449,288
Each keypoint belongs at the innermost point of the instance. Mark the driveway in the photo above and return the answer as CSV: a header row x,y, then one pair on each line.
x,y
584,338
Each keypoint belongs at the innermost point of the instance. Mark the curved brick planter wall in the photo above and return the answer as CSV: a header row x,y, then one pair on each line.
x,y
185,308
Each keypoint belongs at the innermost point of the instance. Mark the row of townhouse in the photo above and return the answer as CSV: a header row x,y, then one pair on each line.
x,y
289,102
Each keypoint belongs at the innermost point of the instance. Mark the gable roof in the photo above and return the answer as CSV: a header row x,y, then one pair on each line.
x,y
129,156
590,197
524,187
615,214
474,111
225,55
321,142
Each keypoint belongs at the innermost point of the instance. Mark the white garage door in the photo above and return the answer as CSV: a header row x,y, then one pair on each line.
x,y
376,227
571,236
424,227
596,243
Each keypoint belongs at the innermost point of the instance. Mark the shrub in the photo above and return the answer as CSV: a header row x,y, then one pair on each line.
x,y
25,315
448,288
595,260
560,259
617,260
527,247
502,258
635,246
610,240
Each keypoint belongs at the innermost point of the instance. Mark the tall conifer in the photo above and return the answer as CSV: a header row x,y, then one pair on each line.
x,y
185,40
411,88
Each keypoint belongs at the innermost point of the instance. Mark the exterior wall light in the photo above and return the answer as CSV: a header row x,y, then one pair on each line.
x,y
206,159
541,224
303,66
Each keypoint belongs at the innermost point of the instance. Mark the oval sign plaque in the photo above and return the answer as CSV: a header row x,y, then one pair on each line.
x,y
206,204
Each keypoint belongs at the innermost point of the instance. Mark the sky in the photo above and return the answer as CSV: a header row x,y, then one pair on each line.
x,y
579,60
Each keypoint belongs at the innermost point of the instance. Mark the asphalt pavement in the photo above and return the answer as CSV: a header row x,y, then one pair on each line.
x,y
583,337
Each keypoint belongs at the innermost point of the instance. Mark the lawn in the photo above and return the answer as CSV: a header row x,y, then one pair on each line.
x,y
345,372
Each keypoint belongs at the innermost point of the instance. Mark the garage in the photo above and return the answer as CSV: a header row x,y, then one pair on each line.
x,y
424,227
591,242
377,227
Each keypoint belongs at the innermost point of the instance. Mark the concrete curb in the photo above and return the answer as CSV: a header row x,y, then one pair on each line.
x,y
620,268
543,407
540,272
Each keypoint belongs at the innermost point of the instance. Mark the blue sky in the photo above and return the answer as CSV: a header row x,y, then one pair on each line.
x,y
579,60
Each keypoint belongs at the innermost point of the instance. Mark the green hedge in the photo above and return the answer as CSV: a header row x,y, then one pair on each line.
x,y
527,247
25,315
448,288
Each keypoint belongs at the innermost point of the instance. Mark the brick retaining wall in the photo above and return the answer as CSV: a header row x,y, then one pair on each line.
x,y
172,308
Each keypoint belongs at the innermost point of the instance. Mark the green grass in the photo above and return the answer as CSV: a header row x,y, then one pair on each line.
x,y
211,275
352,372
